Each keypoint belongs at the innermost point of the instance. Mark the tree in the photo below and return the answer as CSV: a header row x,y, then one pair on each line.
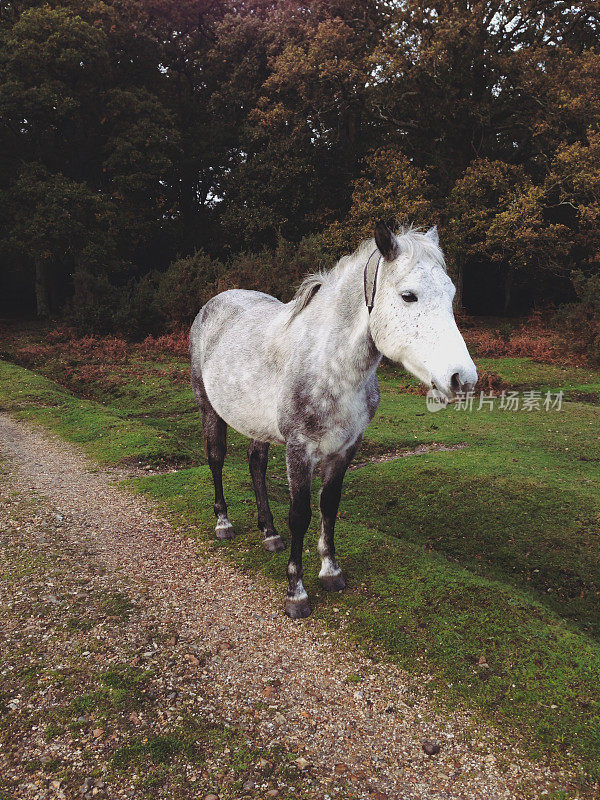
x,y
56,228
573,191
301,144
390,188
71,134
497,216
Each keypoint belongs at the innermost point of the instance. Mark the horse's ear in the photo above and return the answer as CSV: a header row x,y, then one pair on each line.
x,y
432,234
386,242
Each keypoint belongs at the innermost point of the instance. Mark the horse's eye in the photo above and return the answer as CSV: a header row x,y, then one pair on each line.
x,y
409,297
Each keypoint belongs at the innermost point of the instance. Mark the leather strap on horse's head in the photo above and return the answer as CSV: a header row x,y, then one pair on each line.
x,y
370,299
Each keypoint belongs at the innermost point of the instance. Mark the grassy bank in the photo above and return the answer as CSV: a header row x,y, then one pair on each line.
x,y
479,565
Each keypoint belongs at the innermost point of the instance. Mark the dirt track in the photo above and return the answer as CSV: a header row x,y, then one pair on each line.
x,y
226,639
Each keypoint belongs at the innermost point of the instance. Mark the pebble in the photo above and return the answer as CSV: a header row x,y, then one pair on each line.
x,y
431,748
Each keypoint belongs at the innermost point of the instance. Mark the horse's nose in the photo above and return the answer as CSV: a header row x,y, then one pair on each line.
x,y
456,383
462,382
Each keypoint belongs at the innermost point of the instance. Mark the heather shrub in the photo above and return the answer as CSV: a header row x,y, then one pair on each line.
x,y
175,342
535,337
490,382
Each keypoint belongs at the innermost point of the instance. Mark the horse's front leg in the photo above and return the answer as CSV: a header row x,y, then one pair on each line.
x,y
300,471
333,471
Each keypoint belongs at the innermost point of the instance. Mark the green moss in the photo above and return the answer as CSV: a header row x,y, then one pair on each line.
x,y
117,604
52,730
157,749
121,687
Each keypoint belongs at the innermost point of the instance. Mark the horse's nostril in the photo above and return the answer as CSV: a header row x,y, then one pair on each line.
x,y
455,383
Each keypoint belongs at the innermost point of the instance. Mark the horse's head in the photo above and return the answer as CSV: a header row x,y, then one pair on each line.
x,y
412,322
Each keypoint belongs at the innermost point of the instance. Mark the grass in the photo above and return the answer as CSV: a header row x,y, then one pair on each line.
x,y
488,552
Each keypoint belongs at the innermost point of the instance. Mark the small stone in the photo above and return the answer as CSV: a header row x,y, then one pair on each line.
x,y
248,786
431,748
263,763
340,769
97,732
191,659
211,797
272,793
302,763
279,718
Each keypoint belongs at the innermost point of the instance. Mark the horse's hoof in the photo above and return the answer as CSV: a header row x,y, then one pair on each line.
x,y
333,583
274,543
224,529
297,609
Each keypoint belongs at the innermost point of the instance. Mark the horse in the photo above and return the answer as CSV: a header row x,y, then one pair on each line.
x,y
303,374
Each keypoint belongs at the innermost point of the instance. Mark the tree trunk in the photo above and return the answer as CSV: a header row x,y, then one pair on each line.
x,y
42,302
508,290
458,297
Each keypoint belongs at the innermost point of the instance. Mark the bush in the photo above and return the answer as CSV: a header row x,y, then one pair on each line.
x,y
100,307
187,285
171,300
579,322
277,272
92,308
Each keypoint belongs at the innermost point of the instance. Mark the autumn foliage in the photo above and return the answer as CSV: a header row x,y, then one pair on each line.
x,y
156,152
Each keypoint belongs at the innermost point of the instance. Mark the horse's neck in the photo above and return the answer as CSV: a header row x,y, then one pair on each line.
x,y
351,318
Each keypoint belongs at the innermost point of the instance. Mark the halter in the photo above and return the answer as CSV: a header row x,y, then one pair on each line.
x,y
370,302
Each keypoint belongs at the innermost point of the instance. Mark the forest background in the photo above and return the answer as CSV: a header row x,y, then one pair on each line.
x,y
155,152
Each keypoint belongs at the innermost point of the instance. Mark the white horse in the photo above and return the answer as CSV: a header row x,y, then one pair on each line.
x,y
303,374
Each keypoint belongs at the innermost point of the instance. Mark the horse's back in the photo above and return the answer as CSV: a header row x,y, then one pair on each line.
x,y
235,355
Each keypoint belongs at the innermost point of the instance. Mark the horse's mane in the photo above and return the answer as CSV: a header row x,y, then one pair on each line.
x,y
413,243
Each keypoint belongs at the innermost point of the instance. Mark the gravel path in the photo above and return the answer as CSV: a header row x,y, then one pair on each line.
x,y
347,719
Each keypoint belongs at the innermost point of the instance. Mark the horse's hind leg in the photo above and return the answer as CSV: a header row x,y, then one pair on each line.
x,y
258,456
215,435
215,440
